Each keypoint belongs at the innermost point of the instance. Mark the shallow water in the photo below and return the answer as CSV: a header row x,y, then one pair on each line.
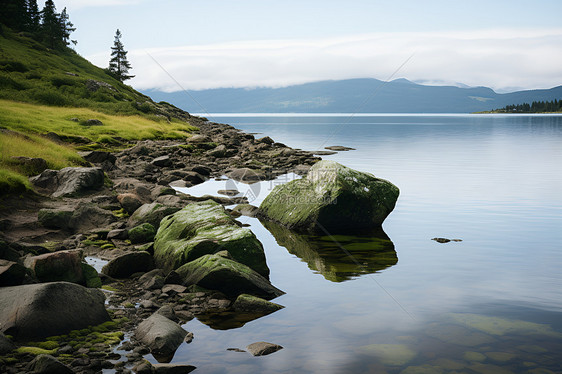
x,y
490,303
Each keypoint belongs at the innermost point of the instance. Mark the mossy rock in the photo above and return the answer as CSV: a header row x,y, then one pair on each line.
x,y
142,234
91,276
331,199
215,272
151,213
55,218
205,228
249,303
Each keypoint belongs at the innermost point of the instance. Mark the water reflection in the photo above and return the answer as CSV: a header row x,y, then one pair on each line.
x,y
338,257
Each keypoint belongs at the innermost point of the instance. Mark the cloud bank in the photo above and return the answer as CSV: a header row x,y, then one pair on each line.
x,y
503,59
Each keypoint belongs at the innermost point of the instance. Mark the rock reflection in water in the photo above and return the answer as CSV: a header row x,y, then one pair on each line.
x,y
338,257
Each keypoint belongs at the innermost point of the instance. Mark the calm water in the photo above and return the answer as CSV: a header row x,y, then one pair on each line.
x,y
489,304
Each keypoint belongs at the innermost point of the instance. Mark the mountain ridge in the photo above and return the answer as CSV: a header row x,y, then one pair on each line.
x,y
359,95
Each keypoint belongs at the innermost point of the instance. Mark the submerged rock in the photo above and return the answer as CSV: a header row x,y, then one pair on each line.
x,y
205,228
332,198
215,272
389,354
36,311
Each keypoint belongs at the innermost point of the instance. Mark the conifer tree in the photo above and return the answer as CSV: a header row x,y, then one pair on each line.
x,y
50,25
119,66
66,28
33,16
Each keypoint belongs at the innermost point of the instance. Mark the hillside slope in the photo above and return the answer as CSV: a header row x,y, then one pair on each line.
x,y
77,104
352,96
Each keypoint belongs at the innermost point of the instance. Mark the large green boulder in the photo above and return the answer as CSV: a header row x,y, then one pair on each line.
x,y
332,198
205,228
220,273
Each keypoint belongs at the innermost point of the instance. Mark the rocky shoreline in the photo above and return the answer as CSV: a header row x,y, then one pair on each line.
x,y
111,209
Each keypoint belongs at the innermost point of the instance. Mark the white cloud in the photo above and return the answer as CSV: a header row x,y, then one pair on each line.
x,y
497,58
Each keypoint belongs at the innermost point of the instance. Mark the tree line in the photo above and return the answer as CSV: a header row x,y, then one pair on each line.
x,y
46,25
534,107
54,29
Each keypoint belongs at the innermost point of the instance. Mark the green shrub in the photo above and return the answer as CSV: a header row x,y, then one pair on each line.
x,y
50,98
13,66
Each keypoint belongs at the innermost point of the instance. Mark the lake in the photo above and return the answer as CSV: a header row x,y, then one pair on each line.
x,y
397,301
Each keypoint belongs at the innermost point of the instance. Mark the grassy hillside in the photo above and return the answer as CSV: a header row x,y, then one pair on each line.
x,y
45,91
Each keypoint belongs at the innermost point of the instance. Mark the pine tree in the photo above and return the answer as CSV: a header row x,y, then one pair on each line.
x,y
50,25
33,16
119,65
66,28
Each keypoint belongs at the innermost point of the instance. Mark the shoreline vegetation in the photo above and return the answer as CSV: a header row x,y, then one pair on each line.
x,y
536,107
85,168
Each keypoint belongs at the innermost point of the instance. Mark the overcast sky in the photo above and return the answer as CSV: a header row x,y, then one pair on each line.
x,y
506,45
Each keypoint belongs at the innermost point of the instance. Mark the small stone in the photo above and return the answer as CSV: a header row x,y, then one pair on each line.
x,y
441,240
263,348
162,161
188,338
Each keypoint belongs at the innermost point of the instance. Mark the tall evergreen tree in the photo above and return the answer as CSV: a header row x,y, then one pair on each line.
x,y
119,66
66,28
33,16
50,25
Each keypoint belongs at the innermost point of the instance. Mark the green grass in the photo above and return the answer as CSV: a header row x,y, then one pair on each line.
x,y
72,122
43,91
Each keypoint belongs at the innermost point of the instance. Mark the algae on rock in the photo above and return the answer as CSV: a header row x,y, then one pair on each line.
x,y
217,272
332,198
205,228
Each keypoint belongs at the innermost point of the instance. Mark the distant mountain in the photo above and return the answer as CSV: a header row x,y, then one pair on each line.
x,y
351,96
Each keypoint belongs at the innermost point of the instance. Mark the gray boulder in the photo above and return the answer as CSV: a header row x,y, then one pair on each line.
x,y
69,181
205,228
47,364
89,217
11,273
127,264
162,161
216,272
246,175
331,199
37,311
162,335
57,266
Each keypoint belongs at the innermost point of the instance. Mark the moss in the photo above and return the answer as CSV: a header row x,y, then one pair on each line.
x,y
48,344
35,351
129,305
142,234
91,276
108,246
205,228
109,288
121,213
